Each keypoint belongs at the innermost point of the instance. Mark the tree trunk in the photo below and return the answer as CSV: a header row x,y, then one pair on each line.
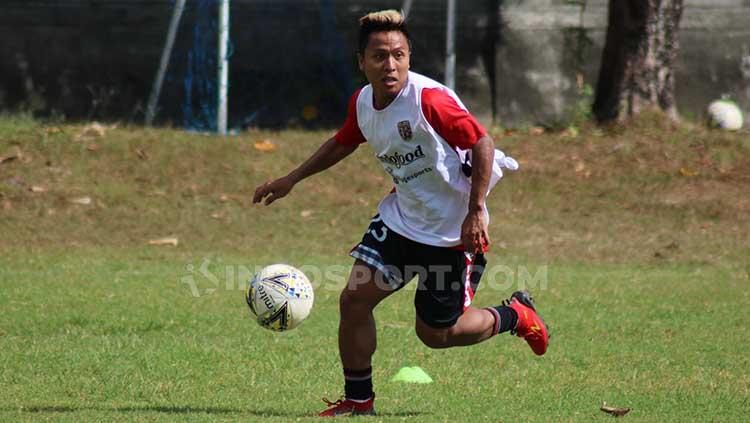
x,y
637,67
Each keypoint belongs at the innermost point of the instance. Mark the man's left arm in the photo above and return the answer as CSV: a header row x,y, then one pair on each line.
x,y
461,131
474,230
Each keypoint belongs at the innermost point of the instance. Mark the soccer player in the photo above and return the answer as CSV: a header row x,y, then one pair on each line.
x,y
432,225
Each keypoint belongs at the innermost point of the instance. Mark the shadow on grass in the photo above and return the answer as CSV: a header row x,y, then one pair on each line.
x,y
181,410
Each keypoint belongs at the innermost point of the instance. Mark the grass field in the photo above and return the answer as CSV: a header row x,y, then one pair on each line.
x,y
635,243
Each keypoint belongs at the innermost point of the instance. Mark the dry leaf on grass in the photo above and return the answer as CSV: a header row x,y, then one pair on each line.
x,y
92,147
217,215
84,201
536,130
6,159
91,131
264,146
580,169
615,411
164,241
687,172
14,154
53,130
141,154
37,188
223,198
306,213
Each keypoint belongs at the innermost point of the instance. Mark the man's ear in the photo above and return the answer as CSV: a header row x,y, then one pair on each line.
x,y
361,61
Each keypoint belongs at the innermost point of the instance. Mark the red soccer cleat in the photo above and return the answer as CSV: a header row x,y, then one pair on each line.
x,y
347,407
530,325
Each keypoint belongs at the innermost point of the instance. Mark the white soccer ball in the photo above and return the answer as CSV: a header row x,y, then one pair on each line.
x,y
725,114
280,297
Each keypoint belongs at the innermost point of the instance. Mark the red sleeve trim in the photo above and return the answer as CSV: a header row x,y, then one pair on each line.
x,y
452,122
349,134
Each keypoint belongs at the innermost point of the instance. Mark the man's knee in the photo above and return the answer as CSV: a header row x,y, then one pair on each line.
x,y
352,299
364,290
434,337
348,299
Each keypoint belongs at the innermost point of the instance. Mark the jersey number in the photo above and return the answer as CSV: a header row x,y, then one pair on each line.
x,y
374,233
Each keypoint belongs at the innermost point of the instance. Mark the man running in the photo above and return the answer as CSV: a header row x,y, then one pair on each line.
x,y
432,225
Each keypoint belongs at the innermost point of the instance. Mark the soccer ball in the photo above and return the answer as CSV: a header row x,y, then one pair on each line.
x,y
280,297
725,114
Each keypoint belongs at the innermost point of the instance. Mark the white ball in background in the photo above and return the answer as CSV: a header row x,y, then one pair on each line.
x,y
725,114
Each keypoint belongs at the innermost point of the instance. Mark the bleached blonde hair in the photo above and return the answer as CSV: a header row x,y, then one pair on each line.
x,y
382,21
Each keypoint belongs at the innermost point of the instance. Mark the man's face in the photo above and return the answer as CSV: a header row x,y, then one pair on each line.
x,y
385,63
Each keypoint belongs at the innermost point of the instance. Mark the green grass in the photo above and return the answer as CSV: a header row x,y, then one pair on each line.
x,y
646,288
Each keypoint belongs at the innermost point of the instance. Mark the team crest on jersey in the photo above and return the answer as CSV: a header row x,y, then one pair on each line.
x,y
404,129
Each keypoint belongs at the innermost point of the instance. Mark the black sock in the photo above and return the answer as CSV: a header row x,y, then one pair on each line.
x,y
507,318
358,384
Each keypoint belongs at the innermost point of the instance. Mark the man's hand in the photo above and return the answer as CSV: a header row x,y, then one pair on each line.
x,y
474,232
330,153
274,190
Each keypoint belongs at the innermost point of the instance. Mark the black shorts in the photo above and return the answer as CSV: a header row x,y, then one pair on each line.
x,y
448,277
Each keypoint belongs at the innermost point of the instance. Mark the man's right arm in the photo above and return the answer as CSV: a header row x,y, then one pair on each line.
x,y
330,153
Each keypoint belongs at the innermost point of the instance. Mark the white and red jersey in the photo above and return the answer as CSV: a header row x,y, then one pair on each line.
x,y
421,138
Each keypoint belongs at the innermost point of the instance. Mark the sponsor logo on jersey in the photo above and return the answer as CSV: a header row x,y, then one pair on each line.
x,y
406,179
404,129
398,160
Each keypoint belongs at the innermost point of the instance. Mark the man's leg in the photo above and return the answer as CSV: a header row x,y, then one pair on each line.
x,y
474,326
364,290
357,339
516,315
444,317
